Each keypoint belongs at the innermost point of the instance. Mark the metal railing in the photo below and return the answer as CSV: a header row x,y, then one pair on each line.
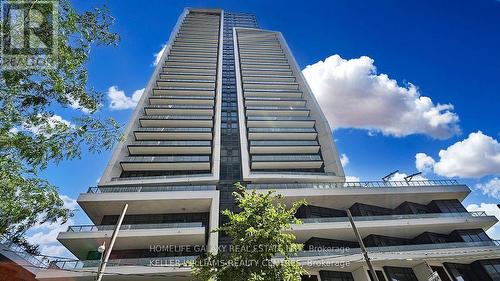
x,y
150,262
112,189
285,157
92,228
332,252
361,184
397,217
166,159
37,261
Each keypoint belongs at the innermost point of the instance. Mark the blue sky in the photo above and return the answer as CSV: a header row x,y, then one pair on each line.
x,y
447,49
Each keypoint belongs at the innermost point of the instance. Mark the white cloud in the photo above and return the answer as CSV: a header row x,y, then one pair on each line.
x,y
492,210
159,54
43,128
476,156
118,99
45,235
351,179
76,105
424,163
491,188
344,160
353,95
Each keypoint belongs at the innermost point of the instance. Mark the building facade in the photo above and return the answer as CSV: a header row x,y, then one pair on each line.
x,y
228,103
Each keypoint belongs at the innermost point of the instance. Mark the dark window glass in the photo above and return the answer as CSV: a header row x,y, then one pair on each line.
x,y
400,274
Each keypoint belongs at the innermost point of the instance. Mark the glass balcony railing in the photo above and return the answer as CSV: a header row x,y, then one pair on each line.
x,y
113,189
177,106
151,262
173,130
284,143
186,80
159,96
362,184
397,217
281,130
92,228
276,108
280,158
171,143
176,117
165,159
279,118
400,249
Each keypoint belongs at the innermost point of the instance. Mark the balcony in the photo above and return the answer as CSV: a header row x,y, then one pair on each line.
x,y
198,53
192,69
170,147
194,48
176,121
173,134
402,226
342,195
250,93
275,101
181,100
186,75
115,189
183,92
285,161
255,65
462,252
284,147
249,71
189,63
186,83
148,199
161,109
166,163
276,111
265,78
279,121
282,134
81,239
271,85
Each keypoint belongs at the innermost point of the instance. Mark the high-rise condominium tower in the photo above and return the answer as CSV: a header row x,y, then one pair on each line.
x,y
228,103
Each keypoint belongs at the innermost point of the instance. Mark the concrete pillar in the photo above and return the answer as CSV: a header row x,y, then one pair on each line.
x,y
360,274
423,271
213,237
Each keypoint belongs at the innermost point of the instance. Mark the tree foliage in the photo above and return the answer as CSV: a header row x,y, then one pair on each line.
x,y
261,248
31,134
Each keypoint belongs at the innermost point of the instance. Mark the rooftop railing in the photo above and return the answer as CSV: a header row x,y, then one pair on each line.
x,y
151,262
112,189
37,261
360,184
397,217
92,228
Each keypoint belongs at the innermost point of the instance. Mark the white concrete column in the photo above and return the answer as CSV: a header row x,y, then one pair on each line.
x,y
423,271
361,274
213,237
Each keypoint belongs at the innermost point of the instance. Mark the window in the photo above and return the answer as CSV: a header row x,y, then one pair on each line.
x,y
447,206
380,275
473,235
335,276
441,272
400,274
